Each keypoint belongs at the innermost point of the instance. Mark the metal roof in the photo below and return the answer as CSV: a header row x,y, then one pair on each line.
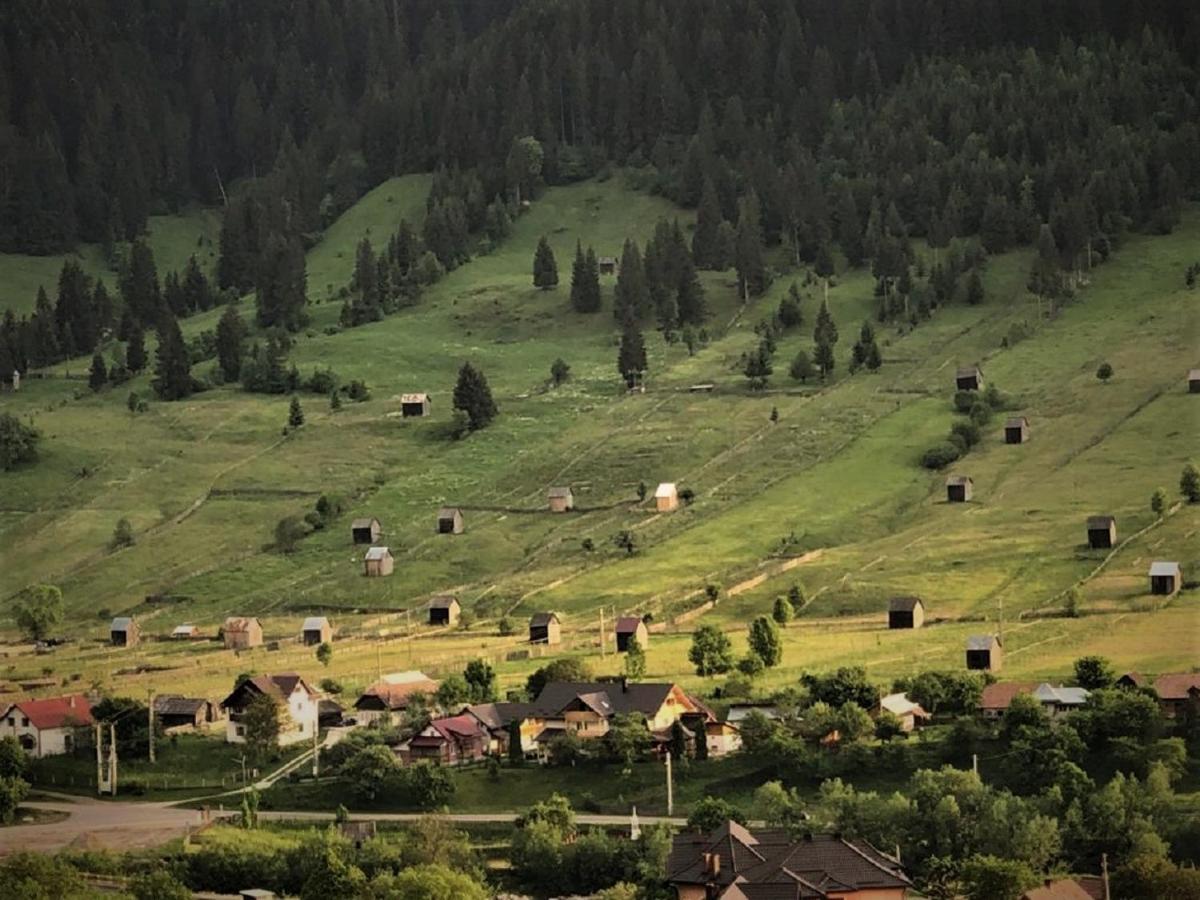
x,y
981,641
666,489
364,523
315,623
1066,696
413,398
560,492
1164,568
959,479
443,601
122,623
376,553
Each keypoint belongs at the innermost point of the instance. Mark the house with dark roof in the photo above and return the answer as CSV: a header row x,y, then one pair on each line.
x,y
242,632
1166,578
387,699
449,740
607,265
985,652
733,863
450,520
628,628
906,612
296,700
561,499
316,630
444,610
1101,532
1177,692
497,719
365,531
178,713
1016,430
1057,700
544,628
46,727
124,632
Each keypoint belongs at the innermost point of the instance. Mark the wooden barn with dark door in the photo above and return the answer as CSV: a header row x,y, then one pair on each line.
x,y
959,488
629,627
1016,430
906,612
1165,578
985,653
316,630
1194,381
607,265
444,610
561,499
124,632
414,405
449,520
378,562
1101,532
544,628
366,531
969,378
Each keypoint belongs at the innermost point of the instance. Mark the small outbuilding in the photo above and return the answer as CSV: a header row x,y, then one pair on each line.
x,y
449,520
185,633
607,265
628,628
444,610
378,562
366,531
985,653
1193,381
1016,430
242,632
666,497
1101,532
544,628
969,378
178,713
959,488
561,499
906,612
414,405
124,632
1165,578
316,630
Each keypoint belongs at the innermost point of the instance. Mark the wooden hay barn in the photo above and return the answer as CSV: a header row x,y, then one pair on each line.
x,y
316,630
414,405
185,633
1101,532
365,531
561,499
450,520
959,488
906,612
242,632
124,632
629,627
544,628
985,653
178,713
969,378
666,497
1194,381
378,562
444,610
1165,578
1016,430
607,265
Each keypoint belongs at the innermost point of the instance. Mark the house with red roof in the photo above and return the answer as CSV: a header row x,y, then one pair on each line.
x,y
1176,691
47,727
448,740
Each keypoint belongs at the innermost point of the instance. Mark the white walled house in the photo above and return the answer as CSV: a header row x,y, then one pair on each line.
x,y
298,716
47,727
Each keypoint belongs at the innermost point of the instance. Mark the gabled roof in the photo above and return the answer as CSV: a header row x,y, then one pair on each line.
x,y
982,641
666,489
413,398
1016,422
646,697
1137,679
121,623
449,512
443,601
628,624
393,692
737,712
498,716
1194,375
315,623
542,619
900,705
363,523
1177,686
241,623
377,553
1000,695
176,705
1100,521
1063,696
1057,889
559,492
904,604
596,701
185,629
968,371
279,687
1164,568
56,712
959,479
458,727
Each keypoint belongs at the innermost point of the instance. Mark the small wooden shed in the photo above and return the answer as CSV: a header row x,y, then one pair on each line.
x,y
985,653
906,612
1193,381
544,628
444,610
449,520
607,265
414,405
1016,430
1101,532
365,531
186,632
969,378
959,488
629,627
242,632
378,562
316,630
1165,578
561,499
666,497
124,632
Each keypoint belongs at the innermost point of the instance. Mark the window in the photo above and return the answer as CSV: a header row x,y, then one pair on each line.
x,y
239,730
68,742
25,721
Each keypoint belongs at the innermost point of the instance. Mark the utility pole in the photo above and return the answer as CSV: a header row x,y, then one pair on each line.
x,y
112,758
242,760
975,763
1001,635
379,660
602,653
150,709
670,788
316,749
99,760
1104,875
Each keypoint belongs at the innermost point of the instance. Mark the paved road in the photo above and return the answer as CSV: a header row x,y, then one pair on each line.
x,y
465,818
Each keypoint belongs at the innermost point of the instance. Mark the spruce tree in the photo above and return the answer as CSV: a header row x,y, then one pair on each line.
x,y
849,232
102,307
748,252
974,288
631,296
545,269
692,309
631,357
585,281
138,283
172,367
280,286
197,292
44,332
473,396
706,249
231,339
825,334
295,413
592,281
135,350
98,375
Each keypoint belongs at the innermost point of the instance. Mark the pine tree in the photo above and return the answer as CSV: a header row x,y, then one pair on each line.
x,y
825,334
545,269
172,367
631,357
280,286
231,339
974,288
758,368
197,292
849,233
295,413
865,351
135,350
44,332
585,281
631,295
98,375
692,309
592,267
751,269
138,283
102,308
473,396
706,249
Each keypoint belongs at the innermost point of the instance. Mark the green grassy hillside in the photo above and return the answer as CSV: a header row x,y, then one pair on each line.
x,y
830,496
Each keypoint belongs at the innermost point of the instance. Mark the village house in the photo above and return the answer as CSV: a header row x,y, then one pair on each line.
x,y
969,378
186,632
909,713
297,702
733,863
444,610
378,562
722,738
666,497
450,740
414,405
178,713
1193,381
316,630
1067,889
985,653
561,499
1056,700
628,628
365,531
386,700
124,632
1175,691
497,719
242,633
1016,430
1101,532
450,520
737,713
906,612
959,488
544,628
47,727
1165,578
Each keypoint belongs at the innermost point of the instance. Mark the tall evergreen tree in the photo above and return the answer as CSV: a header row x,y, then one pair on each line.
x,y
197,292
751,269
138,283
631,296
280,287
295,413
98,374
690,303
473,396
77,327
231,340
825,336
545,269
44,332
849,231
706,248
172,367
594,299
102,308
631,357
135,351
585,281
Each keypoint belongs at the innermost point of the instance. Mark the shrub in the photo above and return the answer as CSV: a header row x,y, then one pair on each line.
x,y
751,665
980,414
1105,372
940,455
968,431
964,400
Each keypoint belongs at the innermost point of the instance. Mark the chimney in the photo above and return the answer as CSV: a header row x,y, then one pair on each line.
x,y
712,864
